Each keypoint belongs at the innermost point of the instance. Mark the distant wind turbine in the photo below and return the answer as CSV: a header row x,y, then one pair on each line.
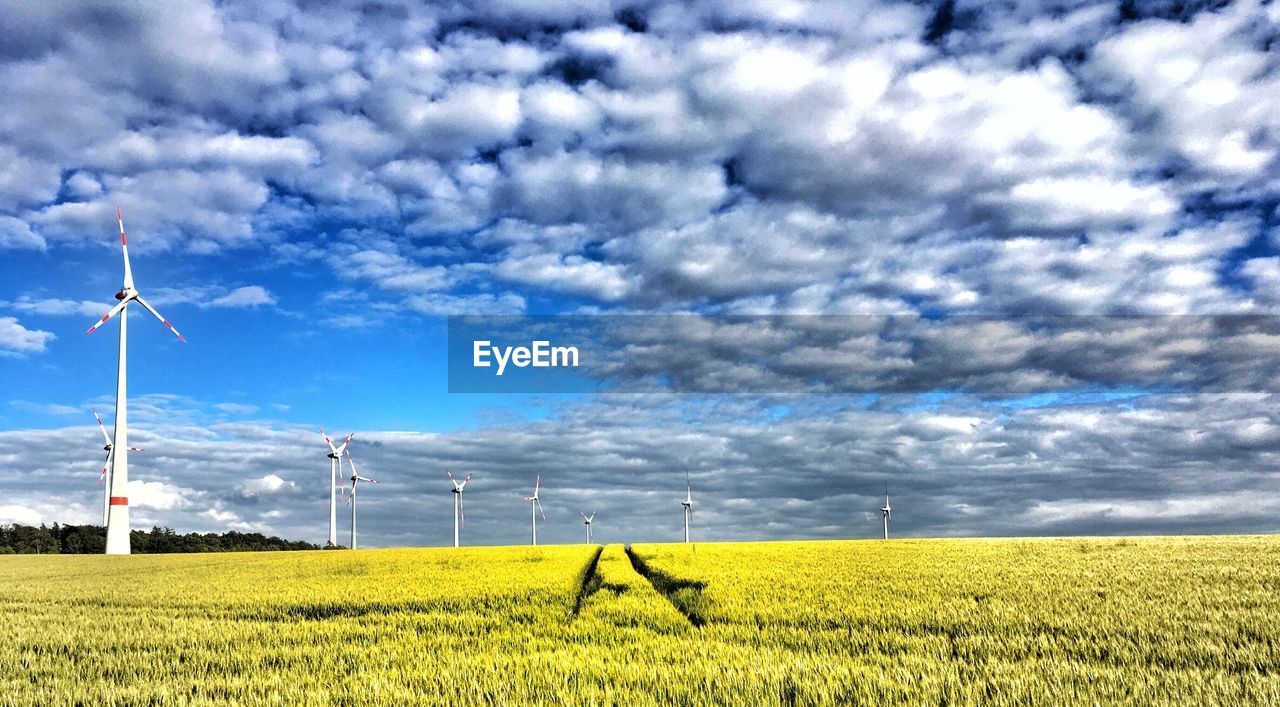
x,y
535,507
687,503
886,510
356,478
458,514
586,520
335,472
106,488
117,498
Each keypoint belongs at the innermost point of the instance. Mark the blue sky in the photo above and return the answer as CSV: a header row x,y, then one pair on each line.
x,y
309,192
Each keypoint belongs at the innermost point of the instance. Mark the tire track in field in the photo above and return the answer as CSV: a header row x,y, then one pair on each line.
x,y
585,589
685,595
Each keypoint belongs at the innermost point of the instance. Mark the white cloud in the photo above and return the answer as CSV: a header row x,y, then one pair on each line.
x,y
14,513
1210,89
266,486
572,274
59,307
248,296
236,408
159,495
16,234
213,296
15,337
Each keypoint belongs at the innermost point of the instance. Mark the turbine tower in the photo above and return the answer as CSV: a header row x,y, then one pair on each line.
x,y
586,520
535,507
106,488
118,486
335,472
458,518
886,510
356,478
688,502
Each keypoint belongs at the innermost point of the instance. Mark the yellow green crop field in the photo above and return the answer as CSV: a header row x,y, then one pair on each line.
x,y
1134,620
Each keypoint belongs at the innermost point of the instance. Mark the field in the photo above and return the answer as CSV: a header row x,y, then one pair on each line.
x,y
1141,620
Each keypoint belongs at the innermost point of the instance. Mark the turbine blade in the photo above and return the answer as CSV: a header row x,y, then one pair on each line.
x,y
328,441
114,311
102,427
106,463
163,321
345,442
124,247
536,484
540,511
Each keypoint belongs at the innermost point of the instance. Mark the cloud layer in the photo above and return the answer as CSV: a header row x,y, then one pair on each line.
x,y
373,167
1066,158
1173,464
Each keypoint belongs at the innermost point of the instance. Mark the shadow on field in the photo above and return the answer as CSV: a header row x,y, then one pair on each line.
x,y
685,595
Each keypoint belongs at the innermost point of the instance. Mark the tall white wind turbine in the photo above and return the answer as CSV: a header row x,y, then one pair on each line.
x,y
118,499
458,514
586,520
356,478
335,472
886,510
106,464
687,503
535,507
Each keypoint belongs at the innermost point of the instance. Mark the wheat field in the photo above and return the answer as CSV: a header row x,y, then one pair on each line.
x,y
1135,620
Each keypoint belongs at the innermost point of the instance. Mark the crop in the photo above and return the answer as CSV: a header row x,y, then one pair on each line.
x,y
1146,620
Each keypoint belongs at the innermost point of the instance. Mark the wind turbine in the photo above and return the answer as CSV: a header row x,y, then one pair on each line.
x,y
118,488
535,507
106,488
586,520
356,478
458,518
886,510
335,472
687,503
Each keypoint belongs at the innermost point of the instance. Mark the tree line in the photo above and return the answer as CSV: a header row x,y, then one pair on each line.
x,y
92,539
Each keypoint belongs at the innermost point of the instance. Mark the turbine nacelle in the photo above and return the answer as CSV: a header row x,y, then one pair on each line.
x,y
459,513
458,486
336,452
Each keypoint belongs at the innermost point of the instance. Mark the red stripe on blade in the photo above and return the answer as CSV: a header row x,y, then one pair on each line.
x,y
119,500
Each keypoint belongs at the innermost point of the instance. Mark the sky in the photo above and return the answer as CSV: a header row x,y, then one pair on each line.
x,y
310,189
